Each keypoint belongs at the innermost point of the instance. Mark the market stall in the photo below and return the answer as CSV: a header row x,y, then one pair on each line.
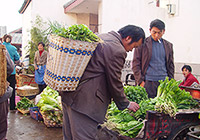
x,y
169,116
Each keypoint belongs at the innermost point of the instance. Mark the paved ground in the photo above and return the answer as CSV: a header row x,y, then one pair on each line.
x,y
23,127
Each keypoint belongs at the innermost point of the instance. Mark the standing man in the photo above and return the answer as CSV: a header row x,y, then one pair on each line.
x,y
86,107
153,61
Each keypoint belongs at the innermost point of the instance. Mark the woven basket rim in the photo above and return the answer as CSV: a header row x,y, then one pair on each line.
x,y
63,38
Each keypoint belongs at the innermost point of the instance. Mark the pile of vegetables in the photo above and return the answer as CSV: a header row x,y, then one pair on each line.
x,y
49,100
170,98
76,32
50,106
24,104
124,122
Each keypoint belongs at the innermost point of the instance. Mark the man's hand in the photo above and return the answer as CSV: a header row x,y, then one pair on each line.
x,y
36,67
142,84
133,106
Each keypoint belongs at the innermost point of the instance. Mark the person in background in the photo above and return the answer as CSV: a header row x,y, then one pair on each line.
x,y
12,50
85,108
40,61
189,78
4,100
154,60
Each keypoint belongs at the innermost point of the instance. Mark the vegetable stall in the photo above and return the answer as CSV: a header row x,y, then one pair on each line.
x,y
167,116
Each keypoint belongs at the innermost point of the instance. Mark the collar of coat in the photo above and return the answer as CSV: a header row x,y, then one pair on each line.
x,y
117,35
148,43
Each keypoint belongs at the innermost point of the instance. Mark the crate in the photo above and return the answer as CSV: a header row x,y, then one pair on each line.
x,y
23,111
195,135
26,79
3,70
27,91
50,123
35,113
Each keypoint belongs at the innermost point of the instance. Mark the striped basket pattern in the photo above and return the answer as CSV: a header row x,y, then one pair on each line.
x,y
3,70
66,62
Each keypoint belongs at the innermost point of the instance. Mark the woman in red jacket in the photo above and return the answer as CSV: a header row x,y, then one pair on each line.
x,y
189,78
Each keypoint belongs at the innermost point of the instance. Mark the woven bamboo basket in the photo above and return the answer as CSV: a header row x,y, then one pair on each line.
x,y
25,79
3,70
66,62
29,91
52,122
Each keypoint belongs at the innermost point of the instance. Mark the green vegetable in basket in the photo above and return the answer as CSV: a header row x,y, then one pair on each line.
x,y
76,32
24,104
47,107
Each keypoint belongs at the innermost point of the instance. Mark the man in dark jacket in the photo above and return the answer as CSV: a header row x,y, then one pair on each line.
x,y
86,107
153,61
4,101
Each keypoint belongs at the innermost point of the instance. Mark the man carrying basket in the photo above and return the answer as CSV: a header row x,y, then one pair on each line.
x,y
85,108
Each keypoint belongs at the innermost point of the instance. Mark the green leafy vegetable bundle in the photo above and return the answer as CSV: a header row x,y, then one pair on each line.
x,y
122,121
49,100
169,99
135,93
24,104
76,32
50,107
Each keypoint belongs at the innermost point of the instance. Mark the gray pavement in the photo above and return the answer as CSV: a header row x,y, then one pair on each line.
x,y
23,127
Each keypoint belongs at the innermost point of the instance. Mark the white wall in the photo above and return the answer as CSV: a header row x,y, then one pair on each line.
x,y
182,29
124,12
26,24
53,10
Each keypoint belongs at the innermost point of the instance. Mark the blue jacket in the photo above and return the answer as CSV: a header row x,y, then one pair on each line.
x,y
12,50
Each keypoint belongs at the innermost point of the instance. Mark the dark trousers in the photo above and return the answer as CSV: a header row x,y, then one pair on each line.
x,y
3,119
77,126
151,88
11,79
41,87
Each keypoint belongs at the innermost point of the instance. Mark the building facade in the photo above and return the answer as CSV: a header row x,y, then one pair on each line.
x,y
180,16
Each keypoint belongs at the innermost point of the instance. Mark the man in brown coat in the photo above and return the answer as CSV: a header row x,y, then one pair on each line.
x,y
153,61
86,107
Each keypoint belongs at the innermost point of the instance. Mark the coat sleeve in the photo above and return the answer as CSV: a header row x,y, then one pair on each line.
x,y
137,65
171,62
16,55
113,67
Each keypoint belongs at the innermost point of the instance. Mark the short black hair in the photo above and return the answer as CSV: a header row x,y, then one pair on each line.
x,y
187,67
41,43
135,32
158,24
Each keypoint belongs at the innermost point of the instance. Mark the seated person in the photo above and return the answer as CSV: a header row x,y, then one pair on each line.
x,y
189,78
